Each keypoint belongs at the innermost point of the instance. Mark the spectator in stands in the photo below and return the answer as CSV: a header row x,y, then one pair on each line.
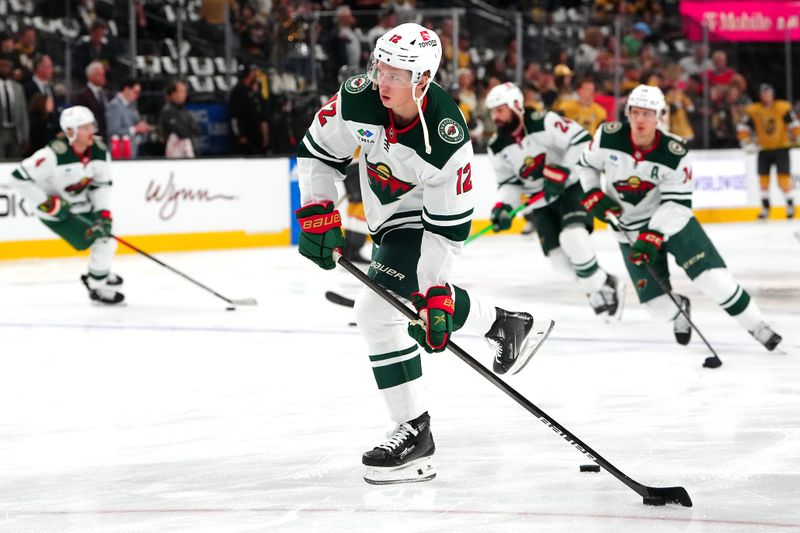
x,y
249,125
8,49
254,35
26,48
342,44
632,42
212,18
562,78
680,107
43,127
97,47
697,63
122,116
176,124
387,19
42,79
14,126
531,74
720,73
583,110
93,95
587,53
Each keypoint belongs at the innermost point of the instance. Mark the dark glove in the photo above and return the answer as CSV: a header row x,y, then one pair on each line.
x,y
101,229
598,204
646,247
436,312
501,217
555,180
56,207
321,233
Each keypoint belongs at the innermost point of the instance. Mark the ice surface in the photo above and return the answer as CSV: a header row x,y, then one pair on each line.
x,y
172,415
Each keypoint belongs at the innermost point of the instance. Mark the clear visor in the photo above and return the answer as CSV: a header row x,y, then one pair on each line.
x,y
383,74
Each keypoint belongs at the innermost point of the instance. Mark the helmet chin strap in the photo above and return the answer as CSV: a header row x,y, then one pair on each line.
x,y
422,123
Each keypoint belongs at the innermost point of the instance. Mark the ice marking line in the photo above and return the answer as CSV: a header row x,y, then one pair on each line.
x,y
343,331
434,512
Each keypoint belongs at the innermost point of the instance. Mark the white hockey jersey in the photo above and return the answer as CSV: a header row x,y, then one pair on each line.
x,y
654,187
56,170
519,163
401,185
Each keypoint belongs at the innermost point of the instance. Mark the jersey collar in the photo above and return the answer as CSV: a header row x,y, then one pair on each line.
x,y
638,154
392,131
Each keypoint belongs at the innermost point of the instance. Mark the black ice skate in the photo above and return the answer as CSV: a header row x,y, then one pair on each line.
x,y
789,209
609,299
515,338
681,326
99,290
114,280
764,334
405,457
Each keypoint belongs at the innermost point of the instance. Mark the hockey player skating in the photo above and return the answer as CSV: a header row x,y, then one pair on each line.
x,y
775,125
537,151
416,172
67,180
648,188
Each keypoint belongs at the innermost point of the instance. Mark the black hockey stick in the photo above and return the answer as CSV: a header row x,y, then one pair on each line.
x,y
242,301
650,495
710,362
338,299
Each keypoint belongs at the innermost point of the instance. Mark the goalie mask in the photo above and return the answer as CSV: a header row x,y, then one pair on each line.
x,y
415,51
74,117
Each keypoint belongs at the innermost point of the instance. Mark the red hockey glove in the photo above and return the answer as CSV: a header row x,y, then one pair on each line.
x,y
436,311
598,204
321,233
646,247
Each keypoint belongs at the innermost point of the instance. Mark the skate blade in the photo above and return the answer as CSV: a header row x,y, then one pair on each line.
x,y
538,334
416,471
617,316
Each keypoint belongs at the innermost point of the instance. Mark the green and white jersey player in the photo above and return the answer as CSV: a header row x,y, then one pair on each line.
x,y
69,183
647,186
535,153
416,182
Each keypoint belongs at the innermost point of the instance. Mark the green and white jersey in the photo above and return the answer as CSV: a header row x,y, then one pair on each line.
x,y
548,138
654,187
56,170
402,186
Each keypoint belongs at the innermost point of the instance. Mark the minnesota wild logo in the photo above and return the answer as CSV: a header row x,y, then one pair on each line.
x,y
633,190
77,188
532,167
356,84
451,131
387,187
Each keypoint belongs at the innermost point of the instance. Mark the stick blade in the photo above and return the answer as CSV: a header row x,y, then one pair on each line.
x,y
338,299
245,301
677,495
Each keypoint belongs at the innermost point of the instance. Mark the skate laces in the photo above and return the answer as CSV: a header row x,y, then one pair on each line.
x,y
396,437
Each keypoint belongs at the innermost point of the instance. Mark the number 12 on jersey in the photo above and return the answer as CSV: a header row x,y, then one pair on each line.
x,y
464,183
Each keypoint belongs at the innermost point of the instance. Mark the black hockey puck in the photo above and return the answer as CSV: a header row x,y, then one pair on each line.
x,y
712,362
590,468
655,500
232,308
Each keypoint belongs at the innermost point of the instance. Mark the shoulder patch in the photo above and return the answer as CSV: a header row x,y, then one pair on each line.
x,y
59,147
356,84
538,115
451,131
612,127
676,148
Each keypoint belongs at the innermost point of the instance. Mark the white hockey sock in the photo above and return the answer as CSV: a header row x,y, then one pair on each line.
x,y
481,316
561,263
577,244
101,252
719,285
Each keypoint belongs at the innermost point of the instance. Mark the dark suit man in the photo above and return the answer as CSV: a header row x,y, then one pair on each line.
x,y
94,95
14,125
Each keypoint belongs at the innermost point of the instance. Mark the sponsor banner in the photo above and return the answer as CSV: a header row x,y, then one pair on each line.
x,y
719,182
175,197
768,20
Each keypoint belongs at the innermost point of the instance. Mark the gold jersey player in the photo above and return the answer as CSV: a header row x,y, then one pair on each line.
x,y
70,184
648,187
416,183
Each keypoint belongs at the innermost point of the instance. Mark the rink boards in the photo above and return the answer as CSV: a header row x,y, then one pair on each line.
x,y
236,203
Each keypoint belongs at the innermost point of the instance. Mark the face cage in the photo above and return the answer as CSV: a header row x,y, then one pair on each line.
x,y
391,79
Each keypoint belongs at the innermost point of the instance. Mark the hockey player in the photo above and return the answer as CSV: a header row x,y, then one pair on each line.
x,y
416,172
775,123
536,151
70,181
648,188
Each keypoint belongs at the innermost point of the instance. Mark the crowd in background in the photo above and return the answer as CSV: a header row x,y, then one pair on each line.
x,y
278,85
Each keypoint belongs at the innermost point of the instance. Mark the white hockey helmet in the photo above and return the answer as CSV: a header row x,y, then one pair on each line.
x,y
506,93
409,47
74,117
647,97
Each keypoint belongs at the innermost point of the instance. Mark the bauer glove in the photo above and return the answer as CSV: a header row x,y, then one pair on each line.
x,y
101,229
646,247
501,217
56,208
598,204
555,180
435,309
321,233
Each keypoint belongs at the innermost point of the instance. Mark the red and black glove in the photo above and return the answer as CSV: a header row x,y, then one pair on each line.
x,y
555,180
598,204
646,247
55,207
101,229
321,233
435,309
